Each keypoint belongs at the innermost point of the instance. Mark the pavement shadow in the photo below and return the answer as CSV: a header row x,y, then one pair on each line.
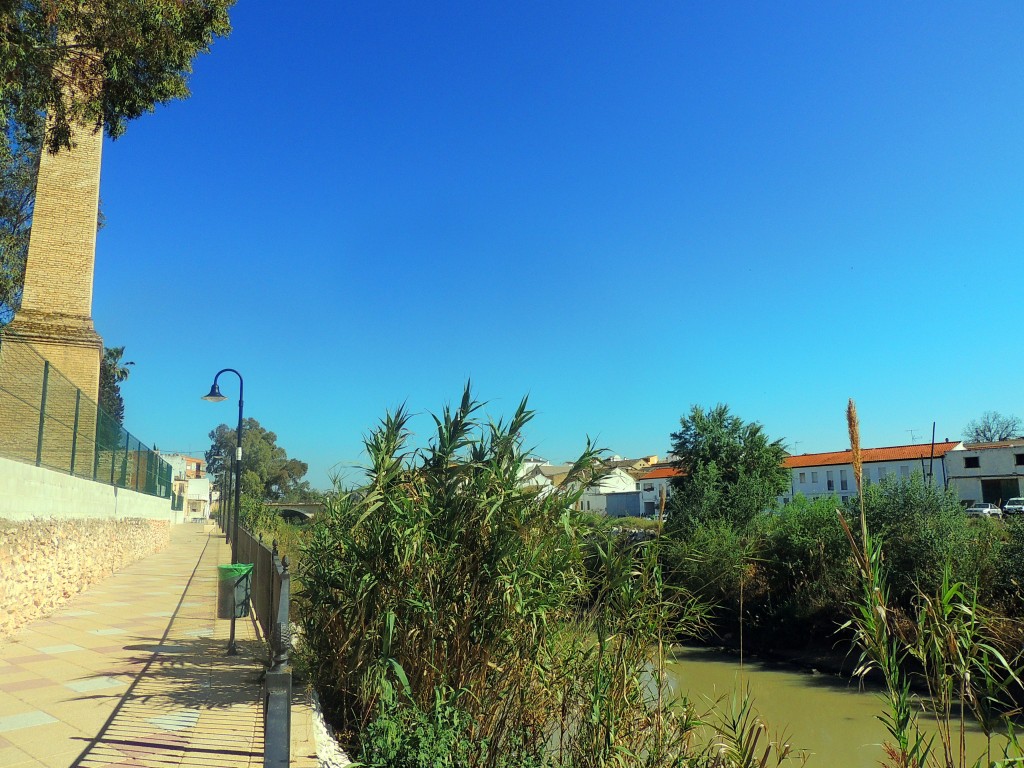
x,y
188,703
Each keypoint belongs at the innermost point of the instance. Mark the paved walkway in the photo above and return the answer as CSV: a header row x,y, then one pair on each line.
x,y
133,672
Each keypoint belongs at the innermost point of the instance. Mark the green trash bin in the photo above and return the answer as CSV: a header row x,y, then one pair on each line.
x,y
233,590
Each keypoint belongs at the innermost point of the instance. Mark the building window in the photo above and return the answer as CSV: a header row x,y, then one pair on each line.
x,y
648,486
638,486
830,480
904,470
843,483
814,477
803,477
1018,459
845,499
972,462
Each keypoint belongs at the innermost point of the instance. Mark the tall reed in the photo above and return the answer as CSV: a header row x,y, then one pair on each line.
x,y
445,603
948,648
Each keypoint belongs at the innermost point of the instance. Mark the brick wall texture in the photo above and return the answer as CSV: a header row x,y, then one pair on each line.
x,y
45,562
62,244
55,317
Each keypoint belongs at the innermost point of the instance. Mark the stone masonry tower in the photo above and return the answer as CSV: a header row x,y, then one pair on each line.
x,y
56,305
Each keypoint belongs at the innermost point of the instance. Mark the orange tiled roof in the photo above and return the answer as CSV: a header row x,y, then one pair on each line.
x,y
657,474
892,453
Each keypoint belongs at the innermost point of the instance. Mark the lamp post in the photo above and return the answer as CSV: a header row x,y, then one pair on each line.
x,y
215,396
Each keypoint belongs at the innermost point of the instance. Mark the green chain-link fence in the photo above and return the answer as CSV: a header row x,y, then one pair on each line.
x,y
47,421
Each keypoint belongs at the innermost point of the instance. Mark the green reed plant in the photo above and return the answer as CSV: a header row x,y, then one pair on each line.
x,y
949,645
444,603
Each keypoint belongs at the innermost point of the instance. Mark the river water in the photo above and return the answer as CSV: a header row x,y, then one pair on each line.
x,y
827,716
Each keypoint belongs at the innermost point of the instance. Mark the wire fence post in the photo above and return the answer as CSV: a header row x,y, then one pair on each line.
x,y
138,463
124,464
49,421
74,430
42,414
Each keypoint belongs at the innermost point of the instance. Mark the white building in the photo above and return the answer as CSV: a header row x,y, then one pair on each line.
x,y
537,473
992,472
197,499
652,486
595,496
831,474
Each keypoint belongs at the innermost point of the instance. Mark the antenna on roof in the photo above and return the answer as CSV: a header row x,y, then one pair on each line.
x,y
913,436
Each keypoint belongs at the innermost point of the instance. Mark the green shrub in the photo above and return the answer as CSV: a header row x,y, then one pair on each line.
x,y
804,572
923,527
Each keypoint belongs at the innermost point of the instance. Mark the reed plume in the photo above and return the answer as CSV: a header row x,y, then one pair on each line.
x,y
853,425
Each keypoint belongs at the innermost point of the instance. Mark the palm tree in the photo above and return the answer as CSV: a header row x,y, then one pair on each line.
x,y
112,373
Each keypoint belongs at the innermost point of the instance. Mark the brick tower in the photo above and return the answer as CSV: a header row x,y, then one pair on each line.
x,y
56,305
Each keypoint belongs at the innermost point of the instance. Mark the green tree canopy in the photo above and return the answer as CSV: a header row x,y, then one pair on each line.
x,y
731,469
19,165
262,459
99,62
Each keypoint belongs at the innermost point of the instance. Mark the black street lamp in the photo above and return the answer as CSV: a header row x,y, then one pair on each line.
x,y
215,396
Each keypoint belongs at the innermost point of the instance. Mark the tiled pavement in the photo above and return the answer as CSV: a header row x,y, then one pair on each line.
x,y
133,672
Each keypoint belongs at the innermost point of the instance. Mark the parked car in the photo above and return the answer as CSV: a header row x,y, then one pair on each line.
x,y
984,509
1014,506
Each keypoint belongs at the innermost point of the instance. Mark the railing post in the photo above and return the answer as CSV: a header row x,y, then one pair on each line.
x,y
42,414
278,703
277,730
74,430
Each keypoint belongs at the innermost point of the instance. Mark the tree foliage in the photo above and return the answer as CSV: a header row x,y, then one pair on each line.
x,y
731,468
99,62
19,165
266,468
991,427
112,373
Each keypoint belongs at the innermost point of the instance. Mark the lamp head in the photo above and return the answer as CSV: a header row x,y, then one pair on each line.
x,y
215,396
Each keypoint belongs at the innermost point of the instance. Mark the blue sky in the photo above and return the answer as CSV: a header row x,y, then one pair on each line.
x,y
620,209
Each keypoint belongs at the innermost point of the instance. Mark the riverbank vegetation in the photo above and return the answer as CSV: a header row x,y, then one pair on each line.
x,y
951,644
453,618
785,574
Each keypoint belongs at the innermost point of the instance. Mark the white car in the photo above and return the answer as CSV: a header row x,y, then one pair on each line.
x,y
1014,506
984,509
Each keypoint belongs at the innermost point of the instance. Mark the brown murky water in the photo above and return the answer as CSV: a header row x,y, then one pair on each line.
x,y
827,716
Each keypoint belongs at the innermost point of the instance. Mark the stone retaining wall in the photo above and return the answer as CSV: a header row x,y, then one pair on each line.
x,y
44,562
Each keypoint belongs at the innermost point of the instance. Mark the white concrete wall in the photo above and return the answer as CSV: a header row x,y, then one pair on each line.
x,y
28,492
994,462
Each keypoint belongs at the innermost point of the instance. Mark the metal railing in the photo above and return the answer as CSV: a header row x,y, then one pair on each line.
x,y
47,421
270,596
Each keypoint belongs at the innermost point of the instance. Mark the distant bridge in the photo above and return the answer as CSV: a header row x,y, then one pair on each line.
x,y
296,512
